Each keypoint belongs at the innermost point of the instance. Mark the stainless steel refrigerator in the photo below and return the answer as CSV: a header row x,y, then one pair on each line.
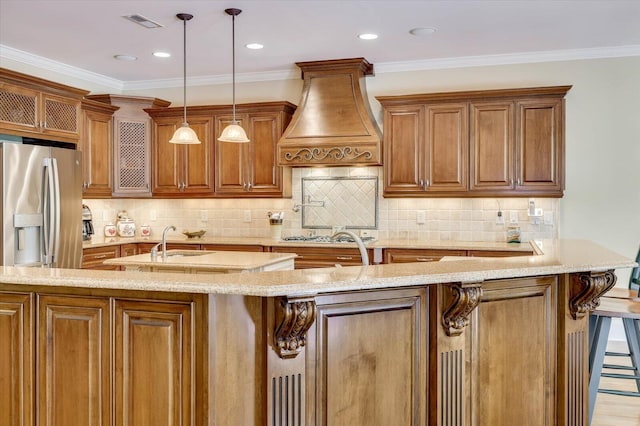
x,y
41,204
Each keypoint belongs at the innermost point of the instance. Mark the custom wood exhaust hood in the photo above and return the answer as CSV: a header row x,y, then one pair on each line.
x,y
333,124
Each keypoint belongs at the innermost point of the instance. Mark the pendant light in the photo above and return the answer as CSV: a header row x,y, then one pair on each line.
x,y
185,134
233,132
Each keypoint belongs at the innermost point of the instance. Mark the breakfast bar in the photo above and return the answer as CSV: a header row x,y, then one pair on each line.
x,y
458,342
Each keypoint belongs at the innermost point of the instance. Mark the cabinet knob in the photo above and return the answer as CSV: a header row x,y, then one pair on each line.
x,y
519,182
249,186
344,258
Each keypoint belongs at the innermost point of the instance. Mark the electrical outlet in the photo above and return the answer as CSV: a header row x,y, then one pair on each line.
x,y
204,215
548,218
421,217
247,216
365,233
499,218
153,215
513,216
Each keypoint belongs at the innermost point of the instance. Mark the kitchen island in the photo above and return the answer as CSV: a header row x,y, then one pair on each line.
x,y
205,262
481,341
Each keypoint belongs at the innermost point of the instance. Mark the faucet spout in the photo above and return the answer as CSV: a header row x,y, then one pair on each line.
x,y
359,243
164,240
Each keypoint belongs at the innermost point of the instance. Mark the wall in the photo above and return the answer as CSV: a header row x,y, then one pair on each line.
x,y
445,219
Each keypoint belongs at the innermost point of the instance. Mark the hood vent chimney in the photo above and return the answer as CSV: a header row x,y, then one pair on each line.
x,y
333,124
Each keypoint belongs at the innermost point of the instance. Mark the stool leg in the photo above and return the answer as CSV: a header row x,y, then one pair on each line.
x,y
596,358
631,330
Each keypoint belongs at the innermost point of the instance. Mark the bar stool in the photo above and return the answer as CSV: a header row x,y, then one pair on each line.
x,y
623,304
600,324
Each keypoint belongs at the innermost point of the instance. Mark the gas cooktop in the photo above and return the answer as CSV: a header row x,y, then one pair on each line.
x,y
327,239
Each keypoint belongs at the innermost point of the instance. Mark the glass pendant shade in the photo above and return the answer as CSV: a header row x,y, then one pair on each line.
x,y
234,133
185,136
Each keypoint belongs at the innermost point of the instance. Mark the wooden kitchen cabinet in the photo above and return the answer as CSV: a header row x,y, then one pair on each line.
x,y
96,144
33,107
131,143
418,255
324,257
101,360
498,253
475,144
93,257
426,148
368,357
154,367
73,360
221,169
16,359
231,247
251,169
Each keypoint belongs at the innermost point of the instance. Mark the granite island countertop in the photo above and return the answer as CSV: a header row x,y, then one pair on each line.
x,y
211,261
556,257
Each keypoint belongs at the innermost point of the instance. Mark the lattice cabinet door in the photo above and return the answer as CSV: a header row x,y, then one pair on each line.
x,y
59,115
19,108
132,161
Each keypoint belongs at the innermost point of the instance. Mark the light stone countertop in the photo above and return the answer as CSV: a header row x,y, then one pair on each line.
x,y
232,261
558,256
268,242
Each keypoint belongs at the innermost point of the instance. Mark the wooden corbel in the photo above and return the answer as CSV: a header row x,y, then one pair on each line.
x,y
293,317
466,297
589,286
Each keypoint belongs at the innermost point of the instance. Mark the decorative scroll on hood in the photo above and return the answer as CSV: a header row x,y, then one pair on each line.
x,y
333,124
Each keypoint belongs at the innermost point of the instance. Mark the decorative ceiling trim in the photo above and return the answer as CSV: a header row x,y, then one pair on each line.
x,y
26,58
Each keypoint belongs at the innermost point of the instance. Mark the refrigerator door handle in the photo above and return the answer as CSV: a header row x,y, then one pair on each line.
x,y
56,212
48,211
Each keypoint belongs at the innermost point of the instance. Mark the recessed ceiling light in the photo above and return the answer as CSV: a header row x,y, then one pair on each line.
x,y
367,36
125,57
422,31
162,54
254,46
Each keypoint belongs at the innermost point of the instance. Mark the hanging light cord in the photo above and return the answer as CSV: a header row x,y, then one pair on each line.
x,y
184,74
233,67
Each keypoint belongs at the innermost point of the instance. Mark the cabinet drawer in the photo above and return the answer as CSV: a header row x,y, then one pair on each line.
x,y
231,247
92,258
498,253
319,257
418,255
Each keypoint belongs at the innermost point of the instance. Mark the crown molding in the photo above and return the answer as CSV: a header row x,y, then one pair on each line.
x,y
510,59
293,74
36,61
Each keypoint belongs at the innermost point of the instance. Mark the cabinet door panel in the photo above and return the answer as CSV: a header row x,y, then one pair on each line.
x,y
264,174
16,362
447,147
404,149
368,353
20,108
97,154
199,158
165,158
153,363
525,389
60,115
492,158
73,362
539,144
231,174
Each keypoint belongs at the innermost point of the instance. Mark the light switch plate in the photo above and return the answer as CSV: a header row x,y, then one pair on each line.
x,y
513,216
153,215
204,215
247,216
421,217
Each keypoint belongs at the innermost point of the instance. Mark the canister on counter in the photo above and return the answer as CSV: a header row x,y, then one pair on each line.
x,y
513,234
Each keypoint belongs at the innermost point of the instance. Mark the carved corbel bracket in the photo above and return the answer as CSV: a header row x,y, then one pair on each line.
x,y
293,319
466,297
591,286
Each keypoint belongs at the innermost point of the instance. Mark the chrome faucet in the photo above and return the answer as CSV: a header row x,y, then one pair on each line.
x,y
154,250
358,240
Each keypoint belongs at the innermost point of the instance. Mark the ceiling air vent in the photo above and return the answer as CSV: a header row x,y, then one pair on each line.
x,y
141,20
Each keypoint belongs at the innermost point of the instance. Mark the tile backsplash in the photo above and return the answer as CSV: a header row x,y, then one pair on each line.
x,y
460,219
